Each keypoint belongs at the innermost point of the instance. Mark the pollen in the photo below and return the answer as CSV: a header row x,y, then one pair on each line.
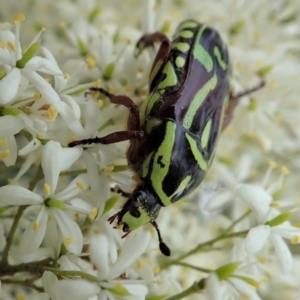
x,y
96,231
295,240
67,76
284,170
240,66
93,214
154,6
37,96
139,263
2,44
47,189
19,18
76,217
97,83
68,241
109,168
12,46
272,164
52,113
81,185
119,287
3,143
36,226
20,296
100,103
4,154
156,270
175,13
274,205
262,260
38,135
91,62
257,35
129,88
62,24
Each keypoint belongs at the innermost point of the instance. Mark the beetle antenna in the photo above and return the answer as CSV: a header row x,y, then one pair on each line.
x,y
164,249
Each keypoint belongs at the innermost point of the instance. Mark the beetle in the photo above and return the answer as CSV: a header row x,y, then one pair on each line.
x,y
173,135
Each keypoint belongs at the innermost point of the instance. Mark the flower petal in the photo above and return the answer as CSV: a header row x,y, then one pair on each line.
x,y
256,238
9,86
10,125
99,253
257,198
17,195
33,235
76,289
283,253
73,239
51,164
133,249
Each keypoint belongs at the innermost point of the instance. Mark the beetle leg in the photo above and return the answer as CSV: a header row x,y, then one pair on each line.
x,y
233,102
112,138
118,190
148,40
133,122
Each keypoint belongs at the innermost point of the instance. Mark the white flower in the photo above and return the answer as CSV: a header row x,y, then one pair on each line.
x,y
233,288
75,289
54,160
259,201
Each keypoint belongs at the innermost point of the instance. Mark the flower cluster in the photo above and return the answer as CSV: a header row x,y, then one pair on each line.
x,y
235,238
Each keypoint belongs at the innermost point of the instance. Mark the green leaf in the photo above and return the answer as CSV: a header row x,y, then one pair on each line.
x,y
227,270
119,290
236,27
93,14
2,73
13,111
166,27
3,209
79,91
109,70
225,160
262,72
285,216
120,168
252,105
63,249
82,48
157,297
110,203
289,19
248,280
116,36
55,203
29,53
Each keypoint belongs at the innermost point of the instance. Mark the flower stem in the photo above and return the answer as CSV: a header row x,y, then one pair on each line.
x,y
71,274
11,233
201,246
196,287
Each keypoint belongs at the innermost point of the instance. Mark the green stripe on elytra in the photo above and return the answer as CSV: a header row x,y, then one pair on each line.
x,y
221,62
202,163
197,101
201,54
162,161
181,46
188,24
182,185
206,134
146,165
179,62
171,77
